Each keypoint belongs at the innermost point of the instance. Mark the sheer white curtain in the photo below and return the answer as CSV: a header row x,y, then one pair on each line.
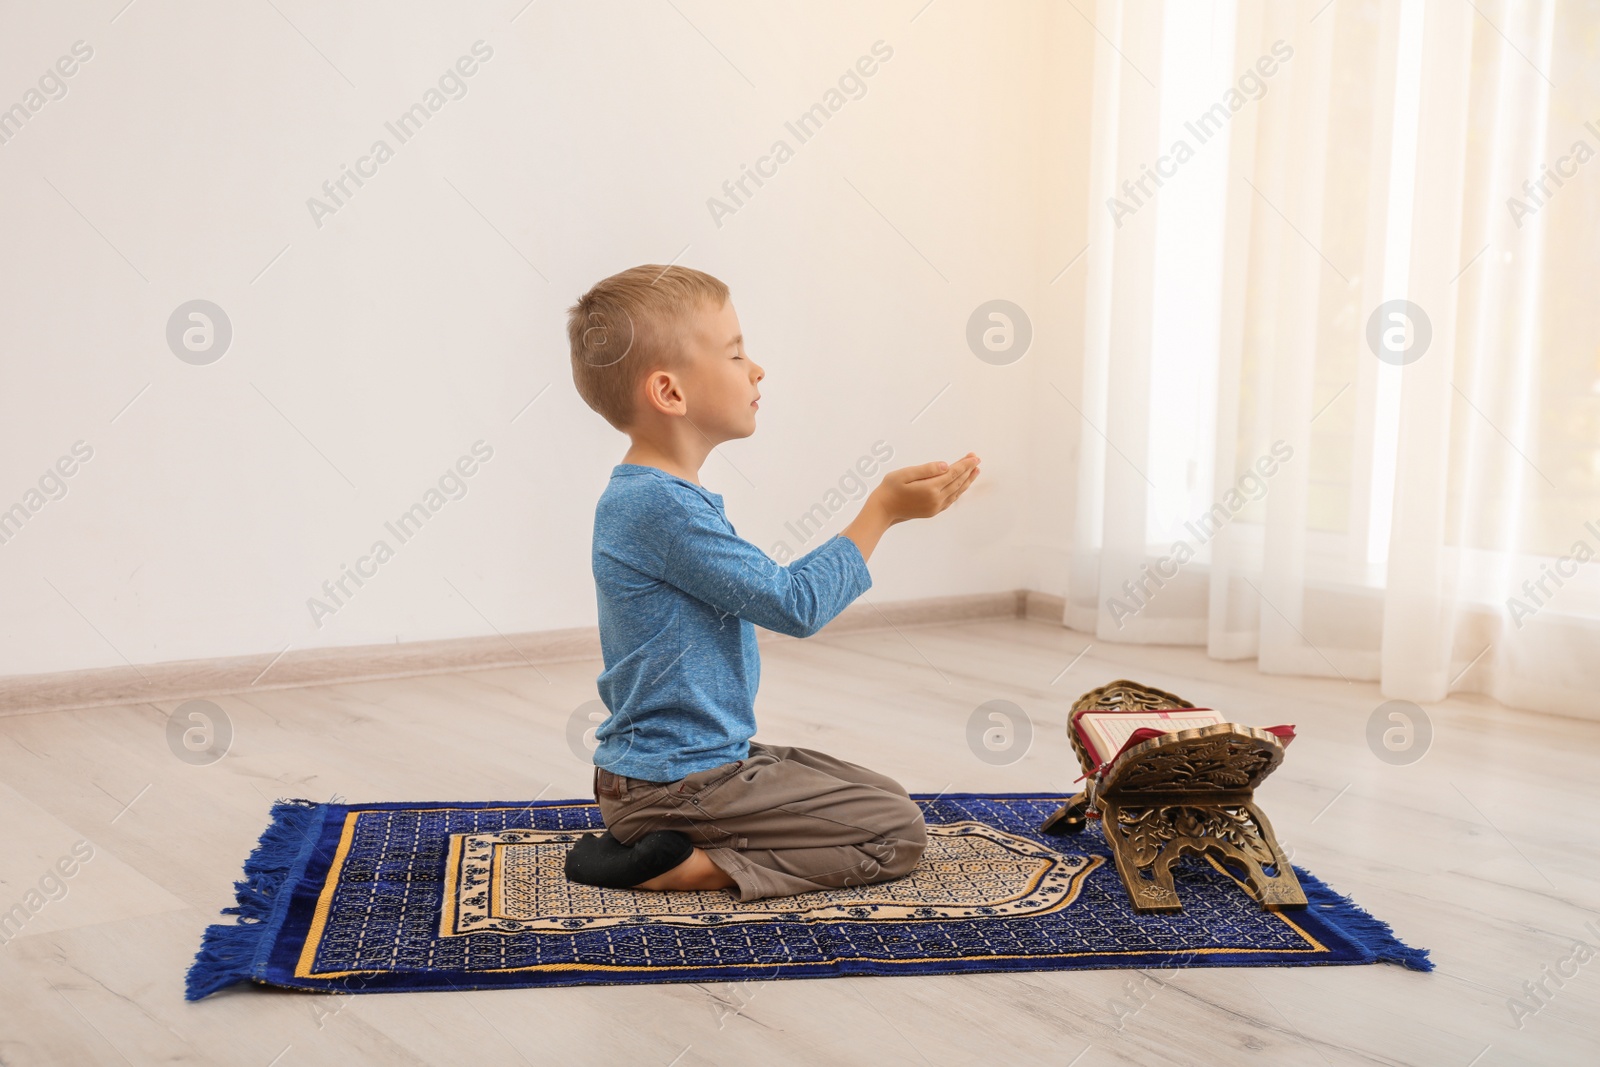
x,y
1341,395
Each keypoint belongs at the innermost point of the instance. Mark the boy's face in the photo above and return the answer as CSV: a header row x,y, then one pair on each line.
x,y
720,377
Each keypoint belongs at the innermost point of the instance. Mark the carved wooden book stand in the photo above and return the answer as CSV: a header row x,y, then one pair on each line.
x,y
1187,791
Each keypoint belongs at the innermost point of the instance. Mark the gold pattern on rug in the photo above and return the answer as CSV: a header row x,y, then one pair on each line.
x,y
512,881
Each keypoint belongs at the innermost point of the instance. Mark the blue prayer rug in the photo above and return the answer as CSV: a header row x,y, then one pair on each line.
x,y
389,897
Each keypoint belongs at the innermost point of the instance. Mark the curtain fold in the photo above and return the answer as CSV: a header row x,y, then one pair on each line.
x,y
1348,484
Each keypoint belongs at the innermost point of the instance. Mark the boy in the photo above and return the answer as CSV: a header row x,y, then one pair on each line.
x,y
689,801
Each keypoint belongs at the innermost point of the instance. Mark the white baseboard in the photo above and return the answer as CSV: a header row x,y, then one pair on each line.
x,y
187,679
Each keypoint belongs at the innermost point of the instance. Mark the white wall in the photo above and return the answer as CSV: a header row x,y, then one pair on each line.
x,y
428,310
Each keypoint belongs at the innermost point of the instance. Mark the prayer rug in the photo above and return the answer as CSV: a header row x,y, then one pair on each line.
x,y
353,898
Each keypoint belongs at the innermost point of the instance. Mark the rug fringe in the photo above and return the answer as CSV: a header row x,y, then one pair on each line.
x,y
228,952
1369,932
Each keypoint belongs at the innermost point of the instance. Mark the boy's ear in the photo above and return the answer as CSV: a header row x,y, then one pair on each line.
x,y
662,390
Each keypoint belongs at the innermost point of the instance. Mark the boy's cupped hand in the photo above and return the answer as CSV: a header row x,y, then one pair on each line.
x,y
924,491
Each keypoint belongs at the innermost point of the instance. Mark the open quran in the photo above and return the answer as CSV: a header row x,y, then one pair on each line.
x,y
1166,779
1107,734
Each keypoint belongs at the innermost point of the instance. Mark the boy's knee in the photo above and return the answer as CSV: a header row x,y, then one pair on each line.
x,y
907,838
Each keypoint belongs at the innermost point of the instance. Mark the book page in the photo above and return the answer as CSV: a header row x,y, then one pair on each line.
x,y
1109,731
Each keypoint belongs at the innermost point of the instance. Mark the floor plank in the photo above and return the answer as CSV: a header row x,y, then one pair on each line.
x,y
1480,851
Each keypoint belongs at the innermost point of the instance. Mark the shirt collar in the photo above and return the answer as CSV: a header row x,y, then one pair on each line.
x,y
624,470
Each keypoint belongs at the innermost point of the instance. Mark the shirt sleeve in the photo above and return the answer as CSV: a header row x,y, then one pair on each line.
x,y
712,563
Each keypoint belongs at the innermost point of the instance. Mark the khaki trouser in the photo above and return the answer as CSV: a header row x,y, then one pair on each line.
x,y
781,821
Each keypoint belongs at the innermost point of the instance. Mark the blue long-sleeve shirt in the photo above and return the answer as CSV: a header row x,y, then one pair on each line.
x,y
680,595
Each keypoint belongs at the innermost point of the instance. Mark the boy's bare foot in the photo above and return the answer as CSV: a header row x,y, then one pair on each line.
x,y
696,872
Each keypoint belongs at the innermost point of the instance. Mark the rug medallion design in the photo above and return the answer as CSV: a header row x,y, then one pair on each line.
x,y
512,880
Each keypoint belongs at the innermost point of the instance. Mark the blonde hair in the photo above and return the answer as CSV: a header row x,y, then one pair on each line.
x,y
629,325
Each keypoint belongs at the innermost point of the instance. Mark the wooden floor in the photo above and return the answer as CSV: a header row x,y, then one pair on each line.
x,y
1478,852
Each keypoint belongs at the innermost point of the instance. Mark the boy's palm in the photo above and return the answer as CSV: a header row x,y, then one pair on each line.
x,y
924,491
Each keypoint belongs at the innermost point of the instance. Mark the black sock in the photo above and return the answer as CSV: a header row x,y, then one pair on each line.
x,y
604,861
